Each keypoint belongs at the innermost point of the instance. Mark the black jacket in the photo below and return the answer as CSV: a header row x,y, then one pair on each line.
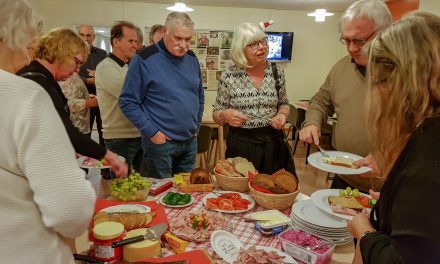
x,y
408,212
82,143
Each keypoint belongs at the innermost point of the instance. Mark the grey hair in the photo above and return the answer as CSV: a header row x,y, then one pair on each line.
x,y
19,24
179,19
87,25
375,10
244,34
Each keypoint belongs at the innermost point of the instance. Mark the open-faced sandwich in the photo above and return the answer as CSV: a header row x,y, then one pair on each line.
x,y
340,161
350,202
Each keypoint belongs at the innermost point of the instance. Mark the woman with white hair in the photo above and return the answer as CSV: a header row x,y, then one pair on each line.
x,y
44,196
252,99
403,104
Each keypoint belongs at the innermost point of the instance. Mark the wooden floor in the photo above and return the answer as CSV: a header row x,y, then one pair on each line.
x,y
311,179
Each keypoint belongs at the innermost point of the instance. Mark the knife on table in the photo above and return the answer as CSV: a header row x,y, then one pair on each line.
x,y
152,233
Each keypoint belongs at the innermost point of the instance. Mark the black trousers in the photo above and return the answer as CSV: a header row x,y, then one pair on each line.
x,y
265,147
95,114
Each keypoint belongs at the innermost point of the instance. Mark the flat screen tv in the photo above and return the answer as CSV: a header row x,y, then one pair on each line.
x,y
280,46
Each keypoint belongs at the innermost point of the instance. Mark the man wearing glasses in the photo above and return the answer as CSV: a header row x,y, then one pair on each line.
x,y
87,73
345,87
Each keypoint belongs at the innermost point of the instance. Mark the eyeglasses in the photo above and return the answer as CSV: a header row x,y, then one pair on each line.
x,y
78,62
254,45
382,70
85,35
357,42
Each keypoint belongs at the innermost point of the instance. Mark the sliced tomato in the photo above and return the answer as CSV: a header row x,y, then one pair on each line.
x,y
246,201
241,207
226,204
212,200
363,200
211,205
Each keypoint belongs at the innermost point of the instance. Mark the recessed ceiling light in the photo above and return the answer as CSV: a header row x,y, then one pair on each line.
x,y
320,15
180,7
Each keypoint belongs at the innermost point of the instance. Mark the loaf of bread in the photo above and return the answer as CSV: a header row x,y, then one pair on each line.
x,y
286,180
224,167
130,220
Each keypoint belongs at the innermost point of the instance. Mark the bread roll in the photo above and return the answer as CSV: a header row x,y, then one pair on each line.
x,y
286,180
264,181
200,176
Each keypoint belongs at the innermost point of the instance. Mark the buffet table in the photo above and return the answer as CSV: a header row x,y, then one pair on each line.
x,y
245,231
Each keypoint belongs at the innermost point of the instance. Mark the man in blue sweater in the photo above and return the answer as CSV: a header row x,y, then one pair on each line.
x,y
163,97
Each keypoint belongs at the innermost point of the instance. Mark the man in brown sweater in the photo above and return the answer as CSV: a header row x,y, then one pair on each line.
x,y
345,87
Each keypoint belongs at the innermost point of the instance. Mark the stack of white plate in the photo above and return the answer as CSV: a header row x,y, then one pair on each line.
x,y
308,217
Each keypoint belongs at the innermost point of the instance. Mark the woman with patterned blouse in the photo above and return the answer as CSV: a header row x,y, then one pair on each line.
x,y
79,102
249,102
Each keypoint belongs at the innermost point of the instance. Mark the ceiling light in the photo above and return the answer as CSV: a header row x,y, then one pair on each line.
x,y
180,7
320,15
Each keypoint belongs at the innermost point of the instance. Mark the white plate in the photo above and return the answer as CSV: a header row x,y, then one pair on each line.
x,y
122,208
81,164
307,211
320,199
243,196
176,206
315,159
287,258
226,245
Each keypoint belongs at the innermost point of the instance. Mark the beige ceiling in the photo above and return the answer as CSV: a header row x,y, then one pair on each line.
x,y
332,5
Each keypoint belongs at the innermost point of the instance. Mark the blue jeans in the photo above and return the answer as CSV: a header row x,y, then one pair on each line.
x,y
125,147
165,160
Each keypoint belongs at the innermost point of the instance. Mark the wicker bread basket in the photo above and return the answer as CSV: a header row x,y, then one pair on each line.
x,y
273,201
230,183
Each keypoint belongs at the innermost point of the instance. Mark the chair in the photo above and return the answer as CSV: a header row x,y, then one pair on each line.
x,y
298,117
214,138
203,142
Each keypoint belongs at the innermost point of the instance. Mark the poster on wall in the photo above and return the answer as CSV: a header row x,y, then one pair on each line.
x,y
226,40
202,39
193,43
212,49
213,78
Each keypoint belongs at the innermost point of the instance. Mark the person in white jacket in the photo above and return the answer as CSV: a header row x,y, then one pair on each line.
x,y
44,196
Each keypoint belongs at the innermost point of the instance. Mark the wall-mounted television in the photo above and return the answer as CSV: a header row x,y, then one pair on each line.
x,y
280,46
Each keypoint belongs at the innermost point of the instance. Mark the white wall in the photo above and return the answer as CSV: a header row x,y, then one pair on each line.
x,y
315,46
432,6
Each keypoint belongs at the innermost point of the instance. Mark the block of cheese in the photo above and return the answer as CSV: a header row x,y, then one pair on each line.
x,y
108,230
140,250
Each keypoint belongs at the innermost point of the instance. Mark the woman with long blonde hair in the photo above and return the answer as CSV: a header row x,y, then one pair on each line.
x,y
404,122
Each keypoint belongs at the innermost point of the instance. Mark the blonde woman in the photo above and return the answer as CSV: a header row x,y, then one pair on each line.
x,y
44,196
404,122
249,100
61,53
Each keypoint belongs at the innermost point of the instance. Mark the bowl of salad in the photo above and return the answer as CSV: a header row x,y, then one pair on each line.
x,y
133,188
